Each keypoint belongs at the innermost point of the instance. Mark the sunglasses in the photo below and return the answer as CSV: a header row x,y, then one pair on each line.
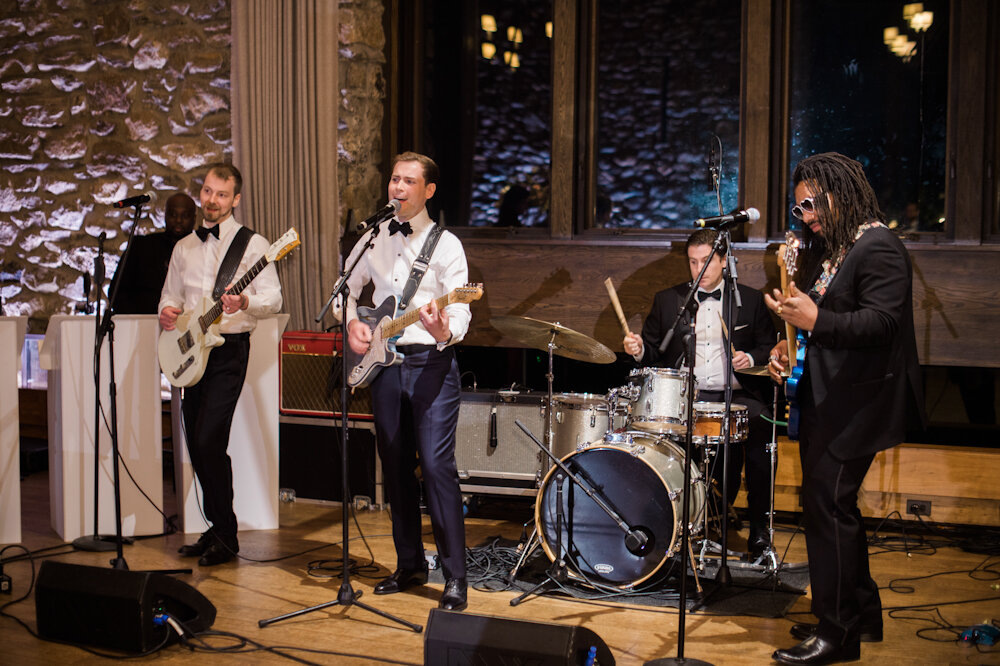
x,y
807,205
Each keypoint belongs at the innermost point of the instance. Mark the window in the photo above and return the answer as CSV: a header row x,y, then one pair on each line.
x,y
668,98
869,80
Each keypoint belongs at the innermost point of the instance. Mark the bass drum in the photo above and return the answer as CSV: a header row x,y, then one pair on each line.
x,y
640,477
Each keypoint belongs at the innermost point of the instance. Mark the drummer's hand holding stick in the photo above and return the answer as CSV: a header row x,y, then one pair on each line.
x,y
632,342
741,360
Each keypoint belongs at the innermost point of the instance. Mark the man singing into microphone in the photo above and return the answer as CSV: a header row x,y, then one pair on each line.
x,y
752,337
416,403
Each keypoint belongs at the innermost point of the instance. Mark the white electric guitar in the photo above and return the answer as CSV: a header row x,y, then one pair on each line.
x,y
184,350
385,331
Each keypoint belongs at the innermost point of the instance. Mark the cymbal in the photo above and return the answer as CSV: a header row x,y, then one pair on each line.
x,y
756,370
566,342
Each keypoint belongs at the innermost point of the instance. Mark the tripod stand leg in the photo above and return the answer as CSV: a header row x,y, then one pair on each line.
x,y
529,547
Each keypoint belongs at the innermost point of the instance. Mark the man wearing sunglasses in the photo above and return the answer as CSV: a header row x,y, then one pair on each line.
x,y
859,391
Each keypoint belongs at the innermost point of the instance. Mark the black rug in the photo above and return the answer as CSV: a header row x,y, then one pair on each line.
x,y
752,591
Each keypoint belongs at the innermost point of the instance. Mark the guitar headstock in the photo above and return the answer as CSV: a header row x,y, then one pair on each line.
x,y
472,291
288,242
788,253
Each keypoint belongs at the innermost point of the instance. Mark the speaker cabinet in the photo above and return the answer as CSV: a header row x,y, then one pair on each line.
x,y
310,377
459,639
492,453
113,608
309,459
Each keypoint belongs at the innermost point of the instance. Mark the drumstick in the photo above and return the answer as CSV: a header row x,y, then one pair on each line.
x,y
725,334
618,306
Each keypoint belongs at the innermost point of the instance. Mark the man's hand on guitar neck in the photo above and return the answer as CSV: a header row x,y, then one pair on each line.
x,y
435,320
797,309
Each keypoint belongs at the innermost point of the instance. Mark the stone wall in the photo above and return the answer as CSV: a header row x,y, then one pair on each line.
x,y
101,101
363,91
98,102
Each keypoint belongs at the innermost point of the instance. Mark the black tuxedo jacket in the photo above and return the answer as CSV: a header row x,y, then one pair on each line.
x,y
753,332
861,377
145,271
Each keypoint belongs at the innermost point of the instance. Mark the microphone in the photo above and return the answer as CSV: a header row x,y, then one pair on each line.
x,y
750,215
381,215
137,200
99,267
493,428
635,541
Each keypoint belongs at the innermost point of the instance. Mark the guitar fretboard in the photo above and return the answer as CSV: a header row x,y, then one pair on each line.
x,y
392,328
215,311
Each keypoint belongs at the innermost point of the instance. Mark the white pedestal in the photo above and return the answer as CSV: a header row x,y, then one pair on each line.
x,y
12,331
68,354
253,441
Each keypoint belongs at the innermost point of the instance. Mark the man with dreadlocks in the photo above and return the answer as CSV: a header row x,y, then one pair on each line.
x,y
859,391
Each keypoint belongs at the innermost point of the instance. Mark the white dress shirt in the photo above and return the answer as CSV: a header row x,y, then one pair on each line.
x,y
194,266
388,263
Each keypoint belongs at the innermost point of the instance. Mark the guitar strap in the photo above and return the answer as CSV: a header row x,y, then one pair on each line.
x,y
227,269
420,265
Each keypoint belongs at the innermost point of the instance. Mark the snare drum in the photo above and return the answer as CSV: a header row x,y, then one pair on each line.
x,y
660,405
708,420
577,420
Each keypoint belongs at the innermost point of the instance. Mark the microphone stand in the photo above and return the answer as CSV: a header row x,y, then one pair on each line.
x,y
347,596
690,308
97,543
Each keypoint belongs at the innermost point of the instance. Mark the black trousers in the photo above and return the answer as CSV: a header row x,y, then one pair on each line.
x,y
208,409
416,412
844,595
753,452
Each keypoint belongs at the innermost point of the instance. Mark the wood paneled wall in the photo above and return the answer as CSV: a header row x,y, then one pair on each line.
x,y
956,290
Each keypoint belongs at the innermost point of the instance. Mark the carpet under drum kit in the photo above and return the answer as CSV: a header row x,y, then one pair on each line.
x,y
613,477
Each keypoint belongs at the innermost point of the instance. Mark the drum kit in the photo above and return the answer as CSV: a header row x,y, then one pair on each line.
x,y
625,453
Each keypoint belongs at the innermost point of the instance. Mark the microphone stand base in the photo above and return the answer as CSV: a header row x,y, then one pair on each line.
x,y
680,661
99,543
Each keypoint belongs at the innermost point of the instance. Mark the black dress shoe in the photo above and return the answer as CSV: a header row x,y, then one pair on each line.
x,y
867,634
757,542
216,554
455,595
400,580
816,650
198,548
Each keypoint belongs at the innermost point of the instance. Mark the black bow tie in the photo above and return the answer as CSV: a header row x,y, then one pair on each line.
x,y
203,232
705,295
403,228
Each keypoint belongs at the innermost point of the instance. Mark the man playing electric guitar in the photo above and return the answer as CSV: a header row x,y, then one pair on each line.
x,y
209,404
416,402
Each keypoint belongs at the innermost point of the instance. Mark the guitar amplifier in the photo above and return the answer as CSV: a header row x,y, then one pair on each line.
x,y
493,455
310,377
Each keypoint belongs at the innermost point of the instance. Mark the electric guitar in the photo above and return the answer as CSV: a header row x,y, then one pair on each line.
x,y
788,255
385,331
184,350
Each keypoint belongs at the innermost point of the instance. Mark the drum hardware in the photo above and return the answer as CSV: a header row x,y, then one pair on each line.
x,y
557,572
643,550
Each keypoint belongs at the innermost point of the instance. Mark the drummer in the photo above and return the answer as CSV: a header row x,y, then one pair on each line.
x,y
752,336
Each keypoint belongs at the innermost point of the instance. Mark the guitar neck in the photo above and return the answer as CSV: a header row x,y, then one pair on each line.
x,y
394,327
790,332
215,311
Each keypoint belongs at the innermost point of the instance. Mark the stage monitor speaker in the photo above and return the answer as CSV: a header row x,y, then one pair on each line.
x,y
491,452
310,377
459,639
113,608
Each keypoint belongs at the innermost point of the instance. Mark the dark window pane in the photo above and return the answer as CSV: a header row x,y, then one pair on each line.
x,y
488,106
668,81
852,94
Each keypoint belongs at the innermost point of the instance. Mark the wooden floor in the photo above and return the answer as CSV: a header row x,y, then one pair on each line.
x,y
264,586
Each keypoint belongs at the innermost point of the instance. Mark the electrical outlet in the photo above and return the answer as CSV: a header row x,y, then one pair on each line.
x,y
918,507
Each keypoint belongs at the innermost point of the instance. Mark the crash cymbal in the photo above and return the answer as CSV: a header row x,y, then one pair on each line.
x,y
566,342
756,370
